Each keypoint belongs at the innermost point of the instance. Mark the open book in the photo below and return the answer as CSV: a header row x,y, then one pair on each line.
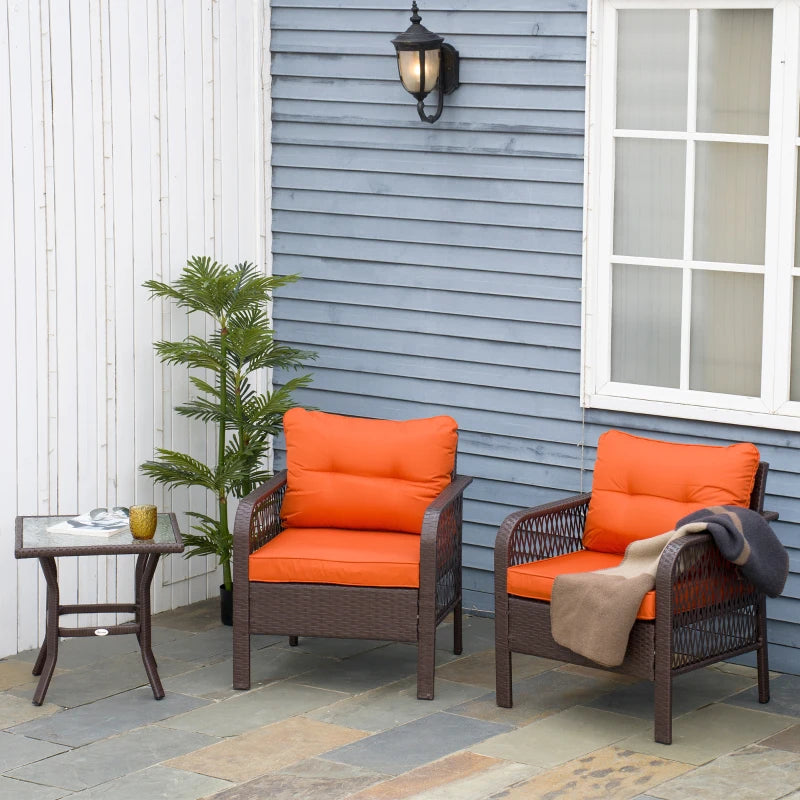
x,y
84,525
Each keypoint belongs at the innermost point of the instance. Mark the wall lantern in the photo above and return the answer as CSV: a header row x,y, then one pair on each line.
x,y
425,63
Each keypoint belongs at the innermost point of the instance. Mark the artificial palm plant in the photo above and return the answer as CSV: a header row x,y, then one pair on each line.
x,y
236,300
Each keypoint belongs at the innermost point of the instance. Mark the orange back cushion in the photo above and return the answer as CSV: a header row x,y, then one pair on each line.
x,y
642,487
364,474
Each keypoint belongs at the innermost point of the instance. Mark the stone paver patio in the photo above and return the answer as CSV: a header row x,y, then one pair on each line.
x,y
340,719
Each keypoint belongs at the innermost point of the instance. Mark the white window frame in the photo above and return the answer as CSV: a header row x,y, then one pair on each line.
x,y
773,409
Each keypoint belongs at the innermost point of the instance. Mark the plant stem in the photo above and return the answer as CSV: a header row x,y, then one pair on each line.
x,y
223,496
243,437
227,577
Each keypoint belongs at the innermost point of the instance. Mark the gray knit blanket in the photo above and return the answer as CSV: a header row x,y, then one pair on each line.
x,y
592,613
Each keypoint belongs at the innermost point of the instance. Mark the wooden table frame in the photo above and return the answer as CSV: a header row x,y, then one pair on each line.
x,y
148,553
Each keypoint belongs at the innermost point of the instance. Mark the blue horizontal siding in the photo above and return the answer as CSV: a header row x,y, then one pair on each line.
x,y
441,264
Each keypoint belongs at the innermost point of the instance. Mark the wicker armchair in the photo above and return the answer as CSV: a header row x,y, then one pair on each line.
x,y
347,611
726,621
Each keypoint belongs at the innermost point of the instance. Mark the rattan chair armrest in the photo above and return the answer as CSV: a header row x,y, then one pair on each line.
x,y
447,496
434,522
770,516
668,566
243,542
553,529
680,558
440,547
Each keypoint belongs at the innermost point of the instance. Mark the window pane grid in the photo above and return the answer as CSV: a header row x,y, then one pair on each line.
x,y
731,196
688,219
762,96
696,136
713,266
686,332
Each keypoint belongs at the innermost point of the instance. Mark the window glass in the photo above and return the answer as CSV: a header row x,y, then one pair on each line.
x,y
797,213
730,207
646,325
652,69
727,317
649,190
733,75
794,390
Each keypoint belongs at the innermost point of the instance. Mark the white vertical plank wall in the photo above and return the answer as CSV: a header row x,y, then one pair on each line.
x,y
132,136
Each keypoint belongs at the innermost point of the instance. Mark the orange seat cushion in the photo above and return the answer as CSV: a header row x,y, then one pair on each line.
x,y
367,474
343,557
642,487
535,579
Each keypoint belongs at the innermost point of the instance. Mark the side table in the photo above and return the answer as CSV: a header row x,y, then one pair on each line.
x,y
34,541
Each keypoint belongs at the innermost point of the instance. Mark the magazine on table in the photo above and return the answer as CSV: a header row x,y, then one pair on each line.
x,y
97,522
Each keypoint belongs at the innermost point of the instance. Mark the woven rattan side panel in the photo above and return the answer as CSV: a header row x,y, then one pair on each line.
x,y
265,520
349,612
547,535
448,558
714,610
529,632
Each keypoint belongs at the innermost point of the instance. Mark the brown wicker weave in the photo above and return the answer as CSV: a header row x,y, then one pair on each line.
x,y
352,612
728,621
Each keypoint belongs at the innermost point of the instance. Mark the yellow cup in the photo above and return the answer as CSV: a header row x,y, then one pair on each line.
x,y
143,521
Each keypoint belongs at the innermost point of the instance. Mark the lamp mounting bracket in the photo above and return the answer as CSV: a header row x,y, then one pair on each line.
x,y
448,75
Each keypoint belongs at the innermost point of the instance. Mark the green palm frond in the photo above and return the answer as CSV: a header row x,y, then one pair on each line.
x,y
245,392
257,477
202,409
254,317
244,344
210,540
204,285
279,356
192,352
265,412
179,469
253,290
237,300
203,385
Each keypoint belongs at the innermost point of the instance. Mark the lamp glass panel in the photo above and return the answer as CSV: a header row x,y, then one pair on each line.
x,y
409,65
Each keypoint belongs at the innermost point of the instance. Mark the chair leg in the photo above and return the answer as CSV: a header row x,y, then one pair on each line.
x,y
502,650
503,691
762,659
458,621
662,711
292,641
426,659
241,657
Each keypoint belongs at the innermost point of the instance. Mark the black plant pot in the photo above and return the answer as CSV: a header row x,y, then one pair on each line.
x,y
226,605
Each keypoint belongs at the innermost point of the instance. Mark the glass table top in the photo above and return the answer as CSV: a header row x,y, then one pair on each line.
x,y
35,536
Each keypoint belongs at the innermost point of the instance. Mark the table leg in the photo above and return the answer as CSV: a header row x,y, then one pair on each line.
x,y
37,667
140,563
145,569
49,652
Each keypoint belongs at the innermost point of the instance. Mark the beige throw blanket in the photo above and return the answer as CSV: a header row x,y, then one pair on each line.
x,y
592,613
